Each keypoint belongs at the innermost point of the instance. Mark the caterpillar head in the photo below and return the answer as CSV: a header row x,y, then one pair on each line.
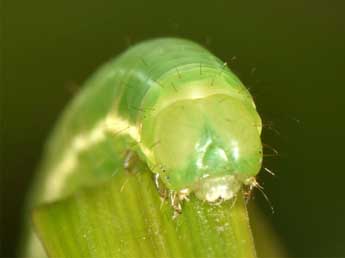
x,y
209,145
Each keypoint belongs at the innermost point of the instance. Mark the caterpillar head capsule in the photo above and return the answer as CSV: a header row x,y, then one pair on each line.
x,y
209,145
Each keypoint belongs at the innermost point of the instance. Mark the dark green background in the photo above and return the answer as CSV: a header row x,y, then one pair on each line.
x,y
290,53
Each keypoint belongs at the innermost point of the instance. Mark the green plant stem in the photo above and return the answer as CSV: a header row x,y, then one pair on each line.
x,y
127,218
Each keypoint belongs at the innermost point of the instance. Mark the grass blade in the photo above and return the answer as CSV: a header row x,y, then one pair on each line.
x,y
126,218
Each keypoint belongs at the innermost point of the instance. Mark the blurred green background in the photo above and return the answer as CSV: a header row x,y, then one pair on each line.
x,y
291,54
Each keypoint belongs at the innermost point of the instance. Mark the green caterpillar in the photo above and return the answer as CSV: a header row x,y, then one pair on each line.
x,y
169,103
172,103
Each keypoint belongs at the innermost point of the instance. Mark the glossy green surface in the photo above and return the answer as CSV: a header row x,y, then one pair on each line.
x,y
211,137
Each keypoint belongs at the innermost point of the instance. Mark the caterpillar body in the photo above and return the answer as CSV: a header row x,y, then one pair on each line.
x,y
174,104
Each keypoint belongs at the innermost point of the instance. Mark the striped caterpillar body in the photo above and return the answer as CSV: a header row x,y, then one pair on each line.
x,y
175,105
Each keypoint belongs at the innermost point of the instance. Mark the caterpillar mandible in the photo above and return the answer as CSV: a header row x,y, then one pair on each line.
x,y
174,104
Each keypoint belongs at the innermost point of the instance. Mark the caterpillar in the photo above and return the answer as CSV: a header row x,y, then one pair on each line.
x,y
174,105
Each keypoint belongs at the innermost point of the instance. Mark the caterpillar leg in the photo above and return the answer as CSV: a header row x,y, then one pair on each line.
x,y
253,184
175,197
176,200
162,190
